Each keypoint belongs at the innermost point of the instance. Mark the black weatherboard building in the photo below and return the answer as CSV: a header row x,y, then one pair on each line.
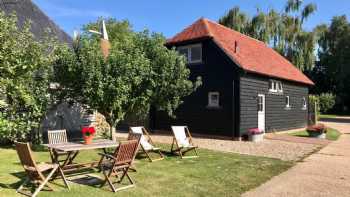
x,y
246,84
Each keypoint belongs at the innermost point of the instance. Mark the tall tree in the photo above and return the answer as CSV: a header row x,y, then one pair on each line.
x,y
138,73
24,80
332,71
281,30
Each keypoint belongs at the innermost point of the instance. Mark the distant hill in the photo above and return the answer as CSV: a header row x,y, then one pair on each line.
x,y
27,10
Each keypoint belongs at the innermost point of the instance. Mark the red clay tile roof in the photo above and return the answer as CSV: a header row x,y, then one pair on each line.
x,y
252,55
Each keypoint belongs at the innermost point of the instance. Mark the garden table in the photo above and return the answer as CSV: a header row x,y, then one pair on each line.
x,y
73,149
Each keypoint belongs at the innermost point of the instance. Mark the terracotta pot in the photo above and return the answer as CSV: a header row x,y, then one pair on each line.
x,y
88,139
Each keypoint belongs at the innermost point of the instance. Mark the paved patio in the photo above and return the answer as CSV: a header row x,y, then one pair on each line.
x,y
325,173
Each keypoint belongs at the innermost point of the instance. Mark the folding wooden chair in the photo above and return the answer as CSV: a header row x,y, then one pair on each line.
x,y
147,145
182,139
59,137
35,172
119,163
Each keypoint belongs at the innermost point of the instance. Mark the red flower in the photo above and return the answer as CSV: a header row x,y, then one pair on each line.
x,y
87,131
254,131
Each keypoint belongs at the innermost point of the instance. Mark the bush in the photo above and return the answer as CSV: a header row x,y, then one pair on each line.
x,y
326,102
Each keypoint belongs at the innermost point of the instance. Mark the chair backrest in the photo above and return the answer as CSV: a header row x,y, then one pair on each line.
x,y
134,136
25,155
137,130
180,135
126,152
57,136
143,141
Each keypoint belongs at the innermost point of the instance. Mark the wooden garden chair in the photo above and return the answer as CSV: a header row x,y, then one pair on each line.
x,y
118,164
146,143
182,141
35,172
59,137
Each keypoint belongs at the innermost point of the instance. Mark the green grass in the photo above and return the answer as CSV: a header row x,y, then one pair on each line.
x,y
332,134
212,174
328,116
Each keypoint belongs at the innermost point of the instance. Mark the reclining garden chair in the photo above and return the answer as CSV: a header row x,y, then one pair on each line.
x,y
147,145
35,172
59,137
119,163
182,141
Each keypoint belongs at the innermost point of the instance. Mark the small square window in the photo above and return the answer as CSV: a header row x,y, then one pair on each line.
x,y
213,99
275,86
193,53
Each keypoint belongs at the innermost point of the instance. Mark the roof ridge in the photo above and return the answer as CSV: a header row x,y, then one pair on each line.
x,y
223,26
205,21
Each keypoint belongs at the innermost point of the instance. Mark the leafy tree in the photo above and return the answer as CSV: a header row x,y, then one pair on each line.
x,y
24,80
332,71
282,30
327,101
139,72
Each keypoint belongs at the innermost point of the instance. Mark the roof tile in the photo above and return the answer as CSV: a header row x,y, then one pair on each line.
x,y
252,55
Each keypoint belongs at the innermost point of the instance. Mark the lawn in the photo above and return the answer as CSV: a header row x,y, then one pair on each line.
x,y
327,116
212,174
332,134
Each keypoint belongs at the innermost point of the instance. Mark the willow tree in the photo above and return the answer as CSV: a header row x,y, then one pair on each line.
x,y
281,30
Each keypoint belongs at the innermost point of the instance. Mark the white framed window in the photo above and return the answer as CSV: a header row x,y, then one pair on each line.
x,y
213,99
193,53
304,104
287,102
275,86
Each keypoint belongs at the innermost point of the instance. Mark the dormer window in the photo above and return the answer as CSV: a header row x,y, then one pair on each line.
x,y
193,53
275,86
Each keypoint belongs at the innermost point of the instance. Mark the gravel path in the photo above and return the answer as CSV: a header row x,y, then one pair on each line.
x,y
325,173
287,151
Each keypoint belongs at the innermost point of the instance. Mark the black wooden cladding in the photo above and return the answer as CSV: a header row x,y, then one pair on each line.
x,y
238,99
277,116
217,73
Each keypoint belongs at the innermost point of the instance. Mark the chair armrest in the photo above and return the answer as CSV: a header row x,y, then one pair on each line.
x,y
107,155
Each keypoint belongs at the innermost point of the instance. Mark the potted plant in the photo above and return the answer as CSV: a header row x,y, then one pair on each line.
x,y
255,134
317,131
88,134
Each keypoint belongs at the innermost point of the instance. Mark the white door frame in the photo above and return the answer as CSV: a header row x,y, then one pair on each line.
x,y
261,111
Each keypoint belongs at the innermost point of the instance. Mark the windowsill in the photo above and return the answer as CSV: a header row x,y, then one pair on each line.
x,y
213,107
194,63
287,107
304,108
275,93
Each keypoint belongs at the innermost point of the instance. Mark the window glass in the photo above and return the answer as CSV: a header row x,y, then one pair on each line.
x,y
184,51
287,101
260,103
196,53
304,103
213,99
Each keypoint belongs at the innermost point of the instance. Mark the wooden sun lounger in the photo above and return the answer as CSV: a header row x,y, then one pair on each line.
x,y
182,142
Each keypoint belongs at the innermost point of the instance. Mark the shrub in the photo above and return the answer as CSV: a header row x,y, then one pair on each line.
x,y
326,102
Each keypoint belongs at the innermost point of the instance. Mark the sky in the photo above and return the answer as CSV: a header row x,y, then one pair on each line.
x,y
170,17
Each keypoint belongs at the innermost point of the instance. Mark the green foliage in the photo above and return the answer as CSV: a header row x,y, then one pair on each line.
x,y
139,72
327,101
24,76
332,71
283,31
